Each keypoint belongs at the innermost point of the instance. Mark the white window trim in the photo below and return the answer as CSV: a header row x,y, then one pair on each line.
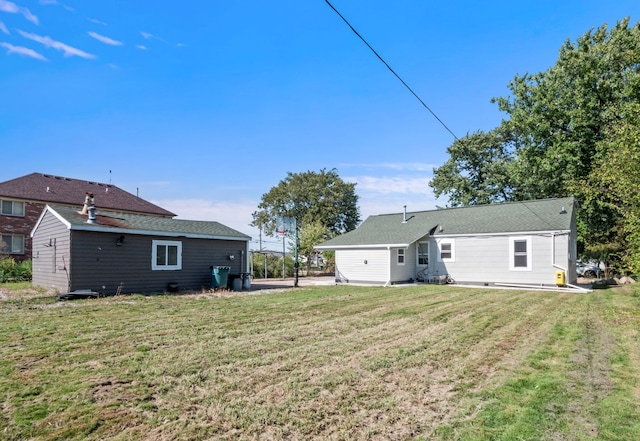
x,y
404,256
453,250
418,253
154,255
512,241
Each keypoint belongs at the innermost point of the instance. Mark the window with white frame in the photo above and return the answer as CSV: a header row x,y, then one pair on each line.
x,y
12,244
446,250
520,253
166,255
400,256
12,208
423,253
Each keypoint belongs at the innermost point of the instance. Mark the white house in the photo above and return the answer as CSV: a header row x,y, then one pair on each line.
x,y
528,242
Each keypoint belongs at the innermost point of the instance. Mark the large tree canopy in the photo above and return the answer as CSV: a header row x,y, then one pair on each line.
x,y
614,183
311,198
559,130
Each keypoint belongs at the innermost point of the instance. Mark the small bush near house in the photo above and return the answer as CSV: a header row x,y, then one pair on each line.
x,y
274,266
12,271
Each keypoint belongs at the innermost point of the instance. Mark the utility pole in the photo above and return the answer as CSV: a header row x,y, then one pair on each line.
x,y
296,265
265,254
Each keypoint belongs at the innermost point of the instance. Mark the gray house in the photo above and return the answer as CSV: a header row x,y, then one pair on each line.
x,y
109,252
530,243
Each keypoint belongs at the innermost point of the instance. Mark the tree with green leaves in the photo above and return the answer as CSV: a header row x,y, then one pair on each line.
x,y
614,182
478,170
558,126
311,234
321,202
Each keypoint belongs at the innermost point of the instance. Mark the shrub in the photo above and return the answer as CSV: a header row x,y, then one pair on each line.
x,y
10,270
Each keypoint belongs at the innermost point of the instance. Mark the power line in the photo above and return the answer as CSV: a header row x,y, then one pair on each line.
x,y
392,71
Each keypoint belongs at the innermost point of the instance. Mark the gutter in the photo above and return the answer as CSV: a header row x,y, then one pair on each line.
x,y
572,288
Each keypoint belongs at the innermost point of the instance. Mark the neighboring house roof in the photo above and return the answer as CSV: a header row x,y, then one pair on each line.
x,y
127,223
56,189
513,217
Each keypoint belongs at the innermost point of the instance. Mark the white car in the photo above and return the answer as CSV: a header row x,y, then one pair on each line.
x,y
588,270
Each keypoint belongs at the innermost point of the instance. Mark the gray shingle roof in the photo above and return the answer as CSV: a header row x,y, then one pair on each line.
x,y
512,217
111,221
60,190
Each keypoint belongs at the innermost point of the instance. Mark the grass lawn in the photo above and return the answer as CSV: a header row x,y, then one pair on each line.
x,y
323,363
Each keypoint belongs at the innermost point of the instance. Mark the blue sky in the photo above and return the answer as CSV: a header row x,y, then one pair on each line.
x,y
203,106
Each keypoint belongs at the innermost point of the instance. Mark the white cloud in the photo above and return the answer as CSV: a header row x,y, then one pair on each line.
x,y
12,8
370,206
388,194
149,36
387,185
105,40
3,28
69,51
236,215
398,166
141,47
96,21
29,16
21,50
56,3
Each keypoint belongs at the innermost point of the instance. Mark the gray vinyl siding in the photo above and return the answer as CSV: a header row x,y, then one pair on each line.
x,y
100,265
487,259
51,250
351,266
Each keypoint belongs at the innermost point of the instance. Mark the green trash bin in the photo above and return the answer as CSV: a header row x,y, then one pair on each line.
x,y
220,276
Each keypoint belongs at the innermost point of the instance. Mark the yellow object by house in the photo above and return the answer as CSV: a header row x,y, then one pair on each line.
x,y
560,278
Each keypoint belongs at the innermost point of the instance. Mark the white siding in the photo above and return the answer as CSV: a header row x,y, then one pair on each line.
x,y
475,259
565,255
407,271
51,254
487,259
363,265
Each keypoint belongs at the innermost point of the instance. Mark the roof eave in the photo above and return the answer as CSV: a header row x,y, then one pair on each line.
x,y
101,229
368,246
48,209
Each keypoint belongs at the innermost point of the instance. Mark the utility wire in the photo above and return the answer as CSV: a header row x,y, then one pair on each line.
x,y
392,71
